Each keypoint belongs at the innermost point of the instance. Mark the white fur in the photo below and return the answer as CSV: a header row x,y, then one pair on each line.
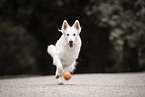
x,y
64,53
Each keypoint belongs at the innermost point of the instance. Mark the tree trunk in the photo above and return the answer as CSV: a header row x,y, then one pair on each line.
x,y
97,60
130,58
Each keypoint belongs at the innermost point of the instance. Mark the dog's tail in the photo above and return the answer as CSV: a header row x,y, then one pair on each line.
x,y
51,50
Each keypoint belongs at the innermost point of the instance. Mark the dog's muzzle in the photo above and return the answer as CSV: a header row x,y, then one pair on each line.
x,y
70,43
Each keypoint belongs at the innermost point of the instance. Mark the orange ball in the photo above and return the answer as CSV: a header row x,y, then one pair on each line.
x,y
67,75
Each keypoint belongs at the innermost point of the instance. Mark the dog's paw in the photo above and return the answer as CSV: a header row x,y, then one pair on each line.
x,y
57,76
60,81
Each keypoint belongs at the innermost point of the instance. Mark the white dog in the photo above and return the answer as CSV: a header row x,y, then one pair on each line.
x,y
66,50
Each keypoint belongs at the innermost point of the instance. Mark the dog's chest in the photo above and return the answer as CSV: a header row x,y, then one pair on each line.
x,y
68,55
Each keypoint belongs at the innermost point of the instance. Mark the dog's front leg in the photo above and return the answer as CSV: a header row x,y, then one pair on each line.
x,y
70,68
59,68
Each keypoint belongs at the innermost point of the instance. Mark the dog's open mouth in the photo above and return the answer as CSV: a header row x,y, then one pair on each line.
x,y
70,44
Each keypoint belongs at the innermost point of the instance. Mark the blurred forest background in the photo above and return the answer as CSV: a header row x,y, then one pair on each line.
x,y
113,34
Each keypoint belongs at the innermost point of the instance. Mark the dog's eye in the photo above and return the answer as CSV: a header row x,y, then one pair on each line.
x,y
67,34
74,34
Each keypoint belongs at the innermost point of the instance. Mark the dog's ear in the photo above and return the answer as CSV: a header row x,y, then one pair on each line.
x,y
65,25
77,25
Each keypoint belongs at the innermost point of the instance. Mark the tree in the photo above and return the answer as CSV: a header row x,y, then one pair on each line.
x,y
17,50
126,21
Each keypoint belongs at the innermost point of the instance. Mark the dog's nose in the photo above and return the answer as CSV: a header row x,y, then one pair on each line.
x,y
70,41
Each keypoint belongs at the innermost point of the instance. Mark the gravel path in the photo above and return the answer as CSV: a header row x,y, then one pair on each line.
x,y
81,85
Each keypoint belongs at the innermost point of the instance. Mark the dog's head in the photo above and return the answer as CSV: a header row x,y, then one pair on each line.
x,y
71,33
